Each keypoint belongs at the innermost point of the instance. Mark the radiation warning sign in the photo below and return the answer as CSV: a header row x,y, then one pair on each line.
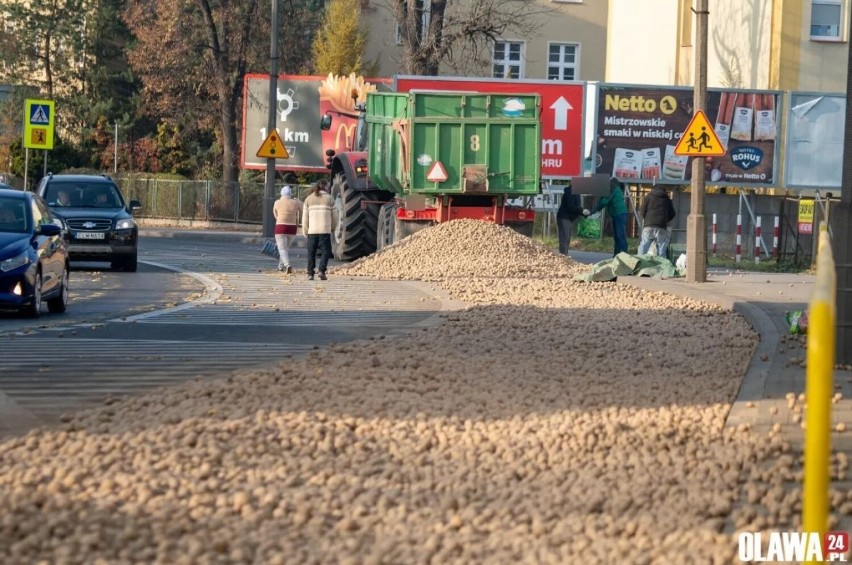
x,y
272,148
699,139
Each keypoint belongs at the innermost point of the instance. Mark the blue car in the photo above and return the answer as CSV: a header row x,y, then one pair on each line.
x,y
33,255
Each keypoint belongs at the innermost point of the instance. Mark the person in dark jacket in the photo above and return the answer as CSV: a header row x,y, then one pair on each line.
x,y
568,212
657,212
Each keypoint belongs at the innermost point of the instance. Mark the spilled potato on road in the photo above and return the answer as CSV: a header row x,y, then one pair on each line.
x,y
550,421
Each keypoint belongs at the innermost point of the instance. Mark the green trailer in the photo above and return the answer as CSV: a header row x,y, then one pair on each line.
x,y
433,157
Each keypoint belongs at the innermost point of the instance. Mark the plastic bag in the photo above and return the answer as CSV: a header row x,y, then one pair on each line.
x,y
681,262
269,248
797,320
589,227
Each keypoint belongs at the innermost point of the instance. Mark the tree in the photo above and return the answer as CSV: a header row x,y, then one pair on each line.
x,y
10,127
434,31
71,51
191,56
43,43
339,46
111,92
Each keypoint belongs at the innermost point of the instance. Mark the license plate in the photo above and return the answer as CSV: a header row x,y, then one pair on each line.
x,y
89,235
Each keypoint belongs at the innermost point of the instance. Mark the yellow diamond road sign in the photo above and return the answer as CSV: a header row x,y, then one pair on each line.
x,y
272,147
38,124
699,139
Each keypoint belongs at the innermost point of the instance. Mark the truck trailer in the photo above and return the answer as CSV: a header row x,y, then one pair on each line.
x,y
425,157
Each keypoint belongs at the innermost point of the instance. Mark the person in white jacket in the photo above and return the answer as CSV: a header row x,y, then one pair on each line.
x,y
286,211
319,219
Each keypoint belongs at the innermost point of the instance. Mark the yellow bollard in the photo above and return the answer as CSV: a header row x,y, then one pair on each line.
x,y
819,389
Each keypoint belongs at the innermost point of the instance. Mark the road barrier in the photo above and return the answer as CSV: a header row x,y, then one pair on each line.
x,y
776,236
739,250
715,231
757,241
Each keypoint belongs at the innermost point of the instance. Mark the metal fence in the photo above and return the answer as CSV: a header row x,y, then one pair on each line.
x,y
210,200
200,200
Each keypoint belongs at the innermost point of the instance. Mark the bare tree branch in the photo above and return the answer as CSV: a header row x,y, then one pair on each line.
x,y
439,31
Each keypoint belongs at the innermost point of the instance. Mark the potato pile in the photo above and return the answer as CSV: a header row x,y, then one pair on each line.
x,y
478,249
548,422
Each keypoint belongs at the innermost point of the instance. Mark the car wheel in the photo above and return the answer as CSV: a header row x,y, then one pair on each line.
x,y
59,303
33,309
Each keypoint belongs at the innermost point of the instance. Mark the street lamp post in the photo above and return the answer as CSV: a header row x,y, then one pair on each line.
x,y
696,223
269,187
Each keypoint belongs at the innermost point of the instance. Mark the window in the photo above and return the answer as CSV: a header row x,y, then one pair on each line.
x,y
826,17
508,59
563,61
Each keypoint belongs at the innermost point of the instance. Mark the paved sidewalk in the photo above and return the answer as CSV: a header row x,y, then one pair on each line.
x,y
776,369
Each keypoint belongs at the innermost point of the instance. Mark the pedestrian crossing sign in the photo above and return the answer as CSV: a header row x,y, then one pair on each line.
x,y
272,148
699,139
38,124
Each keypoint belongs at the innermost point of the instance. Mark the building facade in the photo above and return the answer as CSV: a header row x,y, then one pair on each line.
x,y
760,44
568,44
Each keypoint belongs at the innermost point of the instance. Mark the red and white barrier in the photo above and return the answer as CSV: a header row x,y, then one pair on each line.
x,y
776,236
739,237
757,240
714,234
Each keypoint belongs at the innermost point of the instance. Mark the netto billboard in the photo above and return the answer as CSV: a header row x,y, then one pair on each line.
x,y
638,128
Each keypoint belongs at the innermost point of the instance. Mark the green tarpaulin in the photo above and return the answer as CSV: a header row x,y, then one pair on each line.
x,y
625,264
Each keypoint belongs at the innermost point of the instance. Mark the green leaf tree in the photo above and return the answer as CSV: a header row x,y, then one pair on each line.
x,y
191,56
340,43
43,43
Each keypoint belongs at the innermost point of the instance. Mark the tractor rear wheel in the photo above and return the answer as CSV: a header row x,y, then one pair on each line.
x,y
347,241
371,220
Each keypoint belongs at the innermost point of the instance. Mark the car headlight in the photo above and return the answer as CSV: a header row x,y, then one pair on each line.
x,y
15,262
125,224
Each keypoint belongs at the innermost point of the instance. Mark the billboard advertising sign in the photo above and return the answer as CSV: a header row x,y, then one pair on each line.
x,y
639,127
300,102
561,114
815,127
806,217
